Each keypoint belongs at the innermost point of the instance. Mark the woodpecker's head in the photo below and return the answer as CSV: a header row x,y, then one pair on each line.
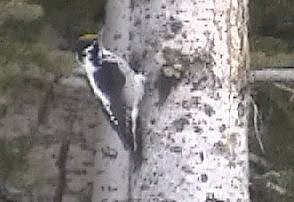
x,y
82,47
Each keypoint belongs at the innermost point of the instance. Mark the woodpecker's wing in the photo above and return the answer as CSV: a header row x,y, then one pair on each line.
x,y
111,81
110,77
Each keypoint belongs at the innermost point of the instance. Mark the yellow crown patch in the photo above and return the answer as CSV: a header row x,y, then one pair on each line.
x,y
88,36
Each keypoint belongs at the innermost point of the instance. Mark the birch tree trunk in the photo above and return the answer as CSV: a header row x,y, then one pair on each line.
x,y
194,116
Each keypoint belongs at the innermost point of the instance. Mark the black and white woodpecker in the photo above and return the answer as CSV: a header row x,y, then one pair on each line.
x,y
119,88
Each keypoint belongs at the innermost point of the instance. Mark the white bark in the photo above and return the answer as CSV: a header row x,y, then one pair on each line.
x,y
194,114
111,176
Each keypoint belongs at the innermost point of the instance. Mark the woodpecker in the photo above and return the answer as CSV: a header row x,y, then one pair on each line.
x,y
118,87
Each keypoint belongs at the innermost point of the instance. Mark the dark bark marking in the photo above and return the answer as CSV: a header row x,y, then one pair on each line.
x,y
92,125
144,54
132,4
176,26
108,152
45,104
185,104
167,81
117,36
222,128
61,164
170,55
152,121
165,85
175,56
209,111
233,138
112,188
184,35
176,149
200,84
241,110
3,110
145,187
220,148
204,178
197,129
188,170
135,62
201,156
180,124
88,163
195,101
210,198
131,36
78,172
62,158
137,22
169,36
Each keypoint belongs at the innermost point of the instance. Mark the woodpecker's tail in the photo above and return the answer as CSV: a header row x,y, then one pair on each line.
x,y
122,126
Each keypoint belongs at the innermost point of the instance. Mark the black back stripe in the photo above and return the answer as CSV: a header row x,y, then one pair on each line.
x,y
94,54
109,79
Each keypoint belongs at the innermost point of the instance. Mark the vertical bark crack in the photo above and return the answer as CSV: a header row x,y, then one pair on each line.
x,y
61,161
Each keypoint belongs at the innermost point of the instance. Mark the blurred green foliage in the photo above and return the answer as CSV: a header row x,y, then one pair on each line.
x,y
270,45
37,38
22,31
271,39
271,27
276,112
73,17
272,18
36,42
271,31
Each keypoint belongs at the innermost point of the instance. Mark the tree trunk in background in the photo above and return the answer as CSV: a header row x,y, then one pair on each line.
x,y
194,116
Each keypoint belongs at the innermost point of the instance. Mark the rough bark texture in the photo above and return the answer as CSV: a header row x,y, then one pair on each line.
x,y
57,142
194,115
